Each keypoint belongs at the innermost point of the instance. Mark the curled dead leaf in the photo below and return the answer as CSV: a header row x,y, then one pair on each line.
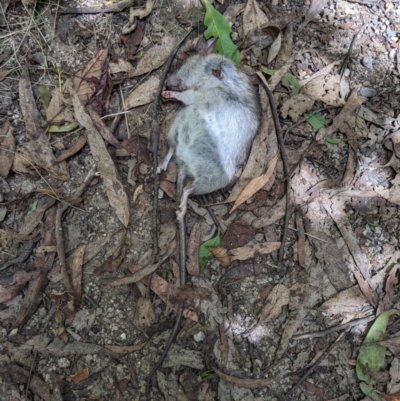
x,y
246,252
221,254
144,313
246,383
275,48
80,375
192,265
255,184
138,190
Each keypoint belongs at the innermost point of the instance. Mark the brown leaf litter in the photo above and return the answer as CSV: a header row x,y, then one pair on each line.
x,y
255,326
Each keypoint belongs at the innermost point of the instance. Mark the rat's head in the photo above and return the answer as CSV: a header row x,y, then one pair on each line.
x,y
203,71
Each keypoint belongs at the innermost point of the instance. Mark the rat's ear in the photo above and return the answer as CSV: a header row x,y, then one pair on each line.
x,y
209,46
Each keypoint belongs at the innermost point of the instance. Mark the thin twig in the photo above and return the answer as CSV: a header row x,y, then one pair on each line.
x,y
155,136
331,330
286,167
348,54
182,271
60,247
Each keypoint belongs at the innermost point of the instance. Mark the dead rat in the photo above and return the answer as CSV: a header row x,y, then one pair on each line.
x,y
210,136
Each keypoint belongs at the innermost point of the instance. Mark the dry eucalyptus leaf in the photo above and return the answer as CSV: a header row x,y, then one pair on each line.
x,y
121,349
7,149
75,265
320,73
255,184
143,94
121,65
315,8
253,17
247,252
161,288
15,285
232,12
38,145
347,112
295,106
326,89
155,56
350,301
274,214
392,194
286,48
192,265
276,300
114,188
275,48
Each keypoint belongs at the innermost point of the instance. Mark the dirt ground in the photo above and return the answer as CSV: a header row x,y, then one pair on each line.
x,y
89,266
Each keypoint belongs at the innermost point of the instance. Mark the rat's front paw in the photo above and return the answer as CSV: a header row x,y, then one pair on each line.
x,y
170,95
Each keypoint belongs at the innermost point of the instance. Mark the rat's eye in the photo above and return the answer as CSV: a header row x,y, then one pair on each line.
x,y
217,72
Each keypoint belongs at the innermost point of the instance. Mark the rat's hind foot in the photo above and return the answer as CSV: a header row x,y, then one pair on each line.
x,y
165,162
180,214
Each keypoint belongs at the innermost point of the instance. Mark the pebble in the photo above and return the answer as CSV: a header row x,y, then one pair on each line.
x,y
368,92
367,62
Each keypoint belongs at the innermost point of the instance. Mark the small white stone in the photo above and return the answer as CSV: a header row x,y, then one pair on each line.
x,y
200,336
64,363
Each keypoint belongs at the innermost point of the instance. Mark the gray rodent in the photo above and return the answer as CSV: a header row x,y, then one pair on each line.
x,y
212,134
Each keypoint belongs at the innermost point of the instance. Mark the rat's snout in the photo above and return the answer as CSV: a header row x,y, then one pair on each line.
x,y
175,84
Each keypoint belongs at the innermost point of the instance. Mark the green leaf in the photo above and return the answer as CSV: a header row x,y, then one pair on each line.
x,y
218,27
290,81
372,354
204,253
268,71
64,128
370,392
33,206
333,141
207,373
372,224
45,95
317,120
377,331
